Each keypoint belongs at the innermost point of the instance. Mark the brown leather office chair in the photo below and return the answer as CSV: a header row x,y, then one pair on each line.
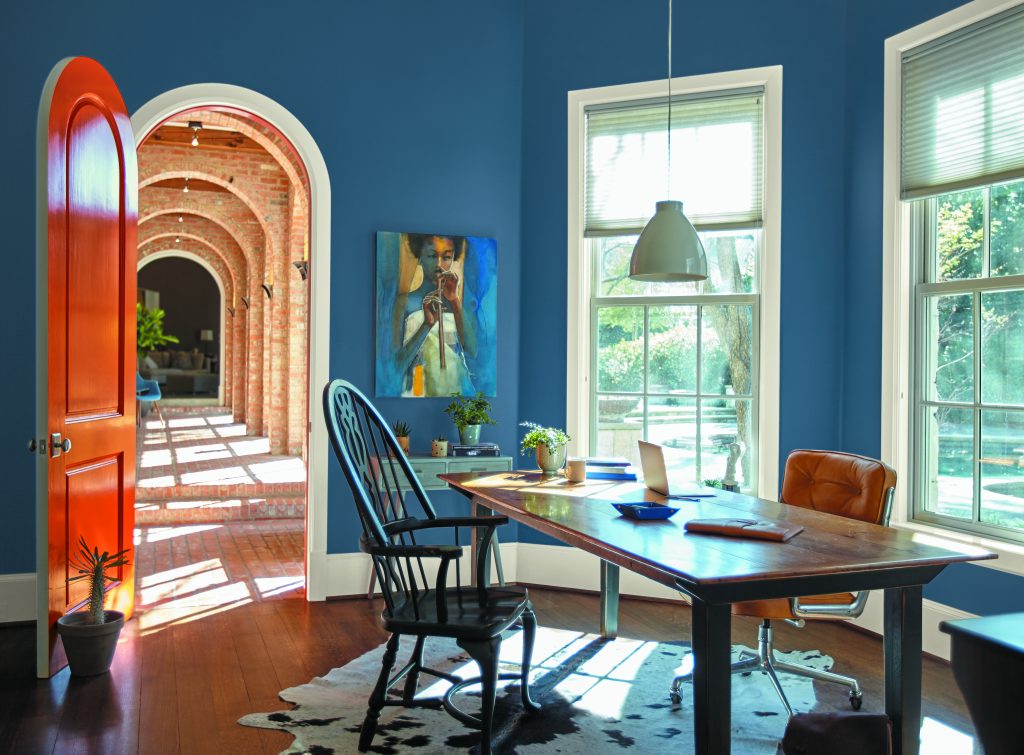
x,y
838,483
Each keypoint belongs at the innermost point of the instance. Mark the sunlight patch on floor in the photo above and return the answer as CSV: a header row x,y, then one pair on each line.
x,y
232,431
155,458
156,534
226,476
191,503
164,481
938,738
285,470
269,586
195,586
202,453
251,447
187,422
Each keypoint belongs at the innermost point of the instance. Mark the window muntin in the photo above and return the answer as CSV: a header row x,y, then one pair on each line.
x,y
969,402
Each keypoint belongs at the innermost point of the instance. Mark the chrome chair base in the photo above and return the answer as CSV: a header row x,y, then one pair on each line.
x,y
765,661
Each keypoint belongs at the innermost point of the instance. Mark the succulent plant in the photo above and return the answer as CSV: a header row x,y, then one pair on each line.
x,y
92,565
401,429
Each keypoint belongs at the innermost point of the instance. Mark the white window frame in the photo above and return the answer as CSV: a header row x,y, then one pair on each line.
x,y
580,279
898,289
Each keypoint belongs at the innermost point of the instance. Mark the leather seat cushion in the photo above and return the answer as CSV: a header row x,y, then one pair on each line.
x,y
837,483
779,608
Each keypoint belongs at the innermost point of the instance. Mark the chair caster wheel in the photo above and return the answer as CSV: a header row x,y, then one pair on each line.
x,y
856,700
676,698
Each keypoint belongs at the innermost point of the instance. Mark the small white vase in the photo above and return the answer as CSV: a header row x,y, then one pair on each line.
x,y
550,464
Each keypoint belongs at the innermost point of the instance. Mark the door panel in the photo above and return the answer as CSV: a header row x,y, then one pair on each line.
x,y
90,218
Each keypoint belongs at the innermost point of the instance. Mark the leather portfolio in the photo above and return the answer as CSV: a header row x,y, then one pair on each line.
x,y
758,529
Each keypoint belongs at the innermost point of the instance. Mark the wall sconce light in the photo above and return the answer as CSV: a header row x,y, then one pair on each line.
x,y
185,189
303,267
181,218
245,301
195,126
268,289
177,239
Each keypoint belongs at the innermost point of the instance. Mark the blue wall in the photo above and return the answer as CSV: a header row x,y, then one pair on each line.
x,y
577,44
416,109
970,588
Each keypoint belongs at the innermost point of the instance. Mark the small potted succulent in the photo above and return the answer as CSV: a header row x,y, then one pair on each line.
x,y
439,446
469,413
90,636
549,444
401,430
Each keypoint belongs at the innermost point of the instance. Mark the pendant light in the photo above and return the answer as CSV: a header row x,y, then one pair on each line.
x,y
669,248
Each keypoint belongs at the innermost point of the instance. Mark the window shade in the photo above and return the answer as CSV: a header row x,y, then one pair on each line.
x,y
717,162
963,108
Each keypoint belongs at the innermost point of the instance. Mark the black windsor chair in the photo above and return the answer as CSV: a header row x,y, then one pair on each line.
x,y
475,616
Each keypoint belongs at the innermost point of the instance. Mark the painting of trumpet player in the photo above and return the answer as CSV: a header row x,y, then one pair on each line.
x,y
436,315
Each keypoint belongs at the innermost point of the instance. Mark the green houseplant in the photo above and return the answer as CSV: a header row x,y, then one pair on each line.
x,y
548,443
90,636
149,333
469,413
402,431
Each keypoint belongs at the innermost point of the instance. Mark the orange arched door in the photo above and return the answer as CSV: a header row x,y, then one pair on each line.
x,y
91,206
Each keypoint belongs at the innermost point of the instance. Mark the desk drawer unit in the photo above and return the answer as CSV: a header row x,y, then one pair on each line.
x,y
479,465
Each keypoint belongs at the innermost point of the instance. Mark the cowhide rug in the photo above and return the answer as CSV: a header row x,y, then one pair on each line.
x,y
597,695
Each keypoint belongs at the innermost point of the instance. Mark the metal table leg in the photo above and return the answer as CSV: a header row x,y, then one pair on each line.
x,y
902,650
609,600
712,677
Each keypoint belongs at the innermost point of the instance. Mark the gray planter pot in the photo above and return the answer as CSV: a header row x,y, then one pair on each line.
x,y
550,464
469,435
89,647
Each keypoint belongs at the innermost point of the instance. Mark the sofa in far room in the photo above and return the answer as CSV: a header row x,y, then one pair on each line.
x,y
180,373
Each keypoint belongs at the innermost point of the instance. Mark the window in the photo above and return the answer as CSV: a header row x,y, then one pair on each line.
x,y
953,418
678,364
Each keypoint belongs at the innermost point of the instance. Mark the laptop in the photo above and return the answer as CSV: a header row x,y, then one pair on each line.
x,y
652,461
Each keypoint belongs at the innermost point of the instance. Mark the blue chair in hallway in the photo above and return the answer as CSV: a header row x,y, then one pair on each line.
x,y
146,391
472,613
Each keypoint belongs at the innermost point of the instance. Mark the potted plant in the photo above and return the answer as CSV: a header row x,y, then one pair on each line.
x,y
401,430
549,444
90,636
439,446
469,413
150,330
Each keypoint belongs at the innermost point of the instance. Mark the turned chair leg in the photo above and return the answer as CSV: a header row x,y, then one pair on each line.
x,y
529,633
485,653
414,675
378,695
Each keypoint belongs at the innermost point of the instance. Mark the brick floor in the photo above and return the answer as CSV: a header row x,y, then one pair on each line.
x,y
197,464
187,571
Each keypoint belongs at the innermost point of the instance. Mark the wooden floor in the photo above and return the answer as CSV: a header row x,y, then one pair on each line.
x,y
180,685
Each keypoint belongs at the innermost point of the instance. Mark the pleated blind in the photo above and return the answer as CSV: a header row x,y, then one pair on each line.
x,y
963,108
717,162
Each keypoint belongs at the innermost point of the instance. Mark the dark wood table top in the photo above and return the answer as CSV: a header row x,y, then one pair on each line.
x,y
581,514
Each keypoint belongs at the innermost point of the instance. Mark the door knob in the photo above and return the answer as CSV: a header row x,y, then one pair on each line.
x,y
65,446
58,445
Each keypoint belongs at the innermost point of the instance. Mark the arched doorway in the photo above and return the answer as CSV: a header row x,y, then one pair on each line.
x,y
237,101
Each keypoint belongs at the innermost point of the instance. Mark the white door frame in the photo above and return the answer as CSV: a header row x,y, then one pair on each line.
x,y
164,254
157,110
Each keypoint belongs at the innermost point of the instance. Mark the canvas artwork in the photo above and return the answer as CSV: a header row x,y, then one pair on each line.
x,y
436,315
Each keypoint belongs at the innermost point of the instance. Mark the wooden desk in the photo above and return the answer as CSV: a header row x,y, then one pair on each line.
x,y
833,554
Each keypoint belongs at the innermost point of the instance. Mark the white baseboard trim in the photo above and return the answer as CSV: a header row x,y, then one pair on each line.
x,y
933,641
17,597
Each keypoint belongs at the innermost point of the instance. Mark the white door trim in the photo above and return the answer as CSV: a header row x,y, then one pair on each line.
x,y
148,117
191,257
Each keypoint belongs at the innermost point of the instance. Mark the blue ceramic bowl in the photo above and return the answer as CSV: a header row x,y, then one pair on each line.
x,y
645,510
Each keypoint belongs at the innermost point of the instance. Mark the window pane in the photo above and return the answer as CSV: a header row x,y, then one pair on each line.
x,y
727,335
1002,468
949,348
960,235
722,424
1006,210
620,424
612,261
948,448
672,349
672,422
732,257
1002,349
620,349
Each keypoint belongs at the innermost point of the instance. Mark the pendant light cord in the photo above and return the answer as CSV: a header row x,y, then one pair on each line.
x,y
669,177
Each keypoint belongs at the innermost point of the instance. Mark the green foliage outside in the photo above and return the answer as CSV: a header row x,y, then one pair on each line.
x,y
149,333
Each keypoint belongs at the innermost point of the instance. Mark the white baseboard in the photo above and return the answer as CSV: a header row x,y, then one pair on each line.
x,y
17,597
570,568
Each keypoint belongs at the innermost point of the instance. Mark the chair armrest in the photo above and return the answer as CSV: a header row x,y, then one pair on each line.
x,y
830,610
414,525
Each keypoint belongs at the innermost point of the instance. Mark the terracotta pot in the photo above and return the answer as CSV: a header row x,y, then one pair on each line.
x,y
89,647
403,443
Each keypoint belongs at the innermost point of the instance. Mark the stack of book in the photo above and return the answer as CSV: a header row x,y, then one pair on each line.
x,y
477,449
615,468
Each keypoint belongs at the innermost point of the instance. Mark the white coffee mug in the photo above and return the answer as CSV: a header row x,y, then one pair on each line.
x,y
576,470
